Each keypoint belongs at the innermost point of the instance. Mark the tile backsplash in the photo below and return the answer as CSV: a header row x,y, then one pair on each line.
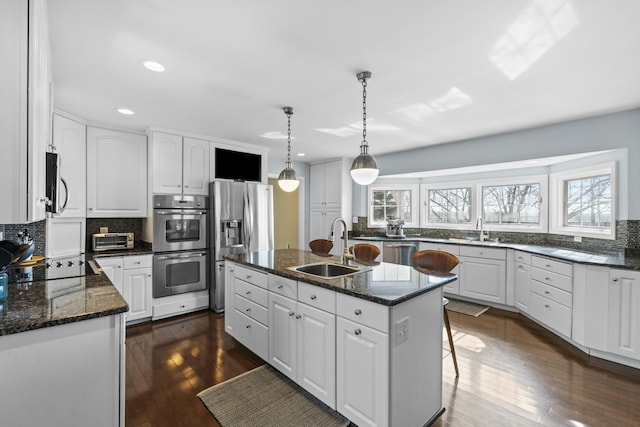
x,y
115,225
627,237
36,230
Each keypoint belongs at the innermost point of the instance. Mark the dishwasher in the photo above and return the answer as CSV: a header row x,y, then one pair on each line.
x,y
398,252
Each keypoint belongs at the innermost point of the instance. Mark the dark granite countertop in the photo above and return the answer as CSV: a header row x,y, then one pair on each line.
x,y
45,303
580,257
383,283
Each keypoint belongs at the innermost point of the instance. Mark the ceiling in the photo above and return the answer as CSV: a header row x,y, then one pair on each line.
x,y
442,70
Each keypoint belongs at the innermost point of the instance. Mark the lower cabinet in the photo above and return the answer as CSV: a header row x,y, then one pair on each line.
x,y
132,277
362,373
483,273
522,280
249,309
452,288
623,314
302,345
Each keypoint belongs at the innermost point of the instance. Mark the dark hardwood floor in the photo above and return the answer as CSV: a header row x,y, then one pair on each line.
x,y
512,373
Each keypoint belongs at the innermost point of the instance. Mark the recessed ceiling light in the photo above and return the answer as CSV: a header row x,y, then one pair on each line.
x,y
300,154
125,111
153,66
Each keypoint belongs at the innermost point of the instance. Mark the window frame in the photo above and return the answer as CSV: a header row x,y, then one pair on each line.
x,y
557,212
415,204
424,203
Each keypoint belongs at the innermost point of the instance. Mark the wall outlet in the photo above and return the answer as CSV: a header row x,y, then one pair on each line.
x,y
577,238
104,230
354,220
402,330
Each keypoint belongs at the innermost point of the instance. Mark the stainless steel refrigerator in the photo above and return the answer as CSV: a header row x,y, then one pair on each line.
x,y
241,221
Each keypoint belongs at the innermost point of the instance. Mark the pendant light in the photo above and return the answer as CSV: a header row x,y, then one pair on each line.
x,y
364,169
287,179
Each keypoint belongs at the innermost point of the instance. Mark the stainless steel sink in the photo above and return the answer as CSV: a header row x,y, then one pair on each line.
x,y
326,269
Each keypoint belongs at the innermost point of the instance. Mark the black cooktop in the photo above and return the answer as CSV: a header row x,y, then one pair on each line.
x,y
49,269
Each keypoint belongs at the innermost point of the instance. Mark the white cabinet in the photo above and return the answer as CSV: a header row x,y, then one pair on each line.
x,y
362,361
70,142
302,337
132,277
25,108
250,310
229,295
61,366
623,318
116,174
452,288
522,279
551,297
483,273
330,198
65,236
180,164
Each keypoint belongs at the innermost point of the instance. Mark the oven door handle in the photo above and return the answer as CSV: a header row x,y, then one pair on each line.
x,y
181,256
180,212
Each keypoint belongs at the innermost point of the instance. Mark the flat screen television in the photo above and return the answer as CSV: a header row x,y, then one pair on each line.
x,y
237,165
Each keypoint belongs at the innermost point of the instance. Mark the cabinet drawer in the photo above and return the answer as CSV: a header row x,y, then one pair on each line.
x,y
522,257
175,306
252,334
137,261
362,311
554,279
251,309
431,246
553,293
283,286
551,313
252,276
251,292
315,296
552,265
483,252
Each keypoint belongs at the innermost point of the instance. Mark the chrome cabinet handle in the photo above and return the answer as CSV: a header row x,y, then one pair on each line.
x,y
547,306
313,297
357,312
280,286
357,332
248,326
615,279
248,292
298,316
291,313
247,310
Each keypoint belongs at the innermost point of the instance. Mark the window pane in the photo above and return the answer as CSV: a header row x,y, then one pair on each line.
x,y
450,206
511,204
391,203
588,202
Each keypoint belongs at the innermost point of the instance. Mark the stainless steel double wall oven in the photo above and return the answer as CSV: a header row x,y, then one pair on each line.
x,y
180,244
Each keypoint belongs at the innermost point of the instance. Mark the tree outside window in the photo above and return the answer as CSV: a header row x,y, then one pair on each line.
x,y
511,204
588,202
449,206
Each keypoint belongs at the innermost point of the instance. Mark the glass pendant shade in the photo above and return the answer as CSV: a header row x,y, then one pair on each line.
x,y
287,180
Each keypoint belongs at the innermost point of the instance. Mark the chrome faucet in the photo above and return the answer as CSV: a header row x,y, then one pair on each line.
x,y
346,256
479,226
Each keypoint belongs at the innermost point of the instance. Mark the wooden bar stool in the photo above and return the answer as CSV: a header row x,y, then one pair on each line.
x,y
321,246
365,252
439,262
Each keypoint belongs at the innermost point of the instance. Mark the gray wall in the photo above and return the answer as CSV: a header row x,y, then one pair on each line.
x,y
607,132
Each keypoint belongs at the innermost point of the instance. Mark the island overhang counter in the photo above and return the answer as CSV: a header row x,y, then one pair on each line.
x,y
368,344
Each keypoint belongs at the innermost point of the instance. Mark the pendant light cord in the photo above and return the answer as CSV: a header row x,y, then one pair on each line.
x,y
288,113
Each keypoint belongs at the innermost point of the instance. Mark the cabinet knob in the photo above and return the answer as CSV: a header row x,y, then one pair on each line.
x,y
280,286
547,292
291,313
615,279
357,312
357,332
548,279
547,306
248,292
548,265
247,310
298,316
248,276
248,326
313,297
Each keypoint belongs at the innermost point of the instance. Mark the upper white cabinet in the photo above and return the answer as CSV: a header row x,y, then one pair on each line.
x,y
25,108
70,142
330,198
180,164
116,174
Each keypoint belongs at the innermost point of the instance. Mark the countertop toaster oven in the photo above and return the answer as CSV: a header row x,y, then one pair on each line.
x,y
112,241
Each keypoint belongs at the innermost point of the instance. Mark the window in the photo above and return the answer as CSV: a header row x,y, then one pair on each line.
x,y
584,202
511,204
449,205
393,200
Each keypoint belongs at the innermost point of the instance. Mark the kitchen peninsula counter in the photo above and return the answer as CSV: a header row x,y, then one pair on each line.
x,y
379,282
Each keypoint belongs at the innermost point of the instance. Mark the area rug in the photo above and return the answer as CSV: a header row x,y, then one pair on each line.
x,y
465,307
264,397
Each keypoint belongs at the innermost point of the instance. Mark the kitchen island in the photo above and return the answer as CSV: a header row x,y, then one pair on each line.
x,y
367,344
62,353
